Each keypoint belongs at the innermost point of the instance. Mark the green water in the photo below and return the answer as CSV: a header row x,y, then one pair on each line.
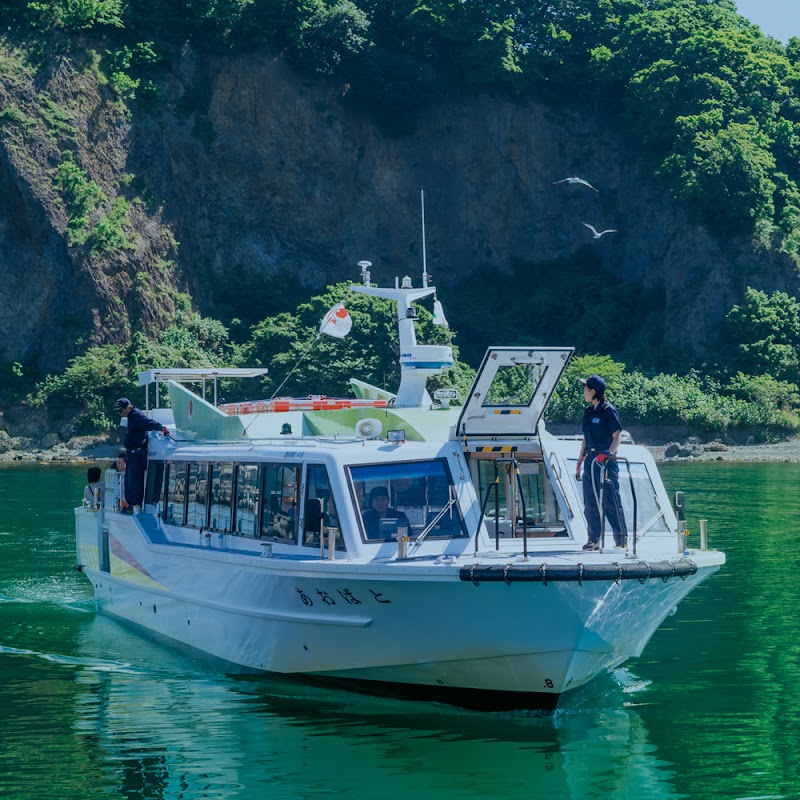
x,y
89,709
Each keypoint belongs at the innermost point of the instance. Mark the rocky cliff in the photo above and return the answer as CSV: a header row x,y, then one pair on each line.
x,y
246,175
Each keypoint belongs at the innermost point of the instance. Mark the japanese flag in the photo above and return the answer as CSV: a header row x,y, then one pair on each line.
x,y
337,322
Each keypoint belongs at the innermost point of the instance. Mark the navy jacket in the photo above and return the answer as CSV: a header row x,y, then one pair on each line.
x,y
138,426
599,426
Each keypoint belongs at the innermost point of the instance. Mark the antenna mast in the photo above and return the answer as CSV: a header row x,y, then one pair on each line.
x,y
424,255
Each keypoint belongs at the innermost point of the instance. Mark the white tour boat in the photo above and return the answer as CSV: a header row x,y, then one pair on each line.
x,y
256,544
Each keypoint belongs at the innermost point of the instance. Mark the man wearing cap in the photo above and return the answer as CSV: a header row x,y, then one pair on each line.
x,y
136,447
602,430
378,510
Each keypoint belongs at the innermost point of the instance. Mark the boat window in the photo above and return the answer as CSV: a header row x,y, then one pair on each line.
x,y
197,506
514,385
418,495
221,497
649,514
543,515
319,509
155,482
174,512
248,497
281,486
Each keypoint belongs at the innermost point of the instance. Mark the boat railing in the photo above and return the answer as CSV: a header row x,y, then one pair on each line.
x,y
607,485
114,493
516,487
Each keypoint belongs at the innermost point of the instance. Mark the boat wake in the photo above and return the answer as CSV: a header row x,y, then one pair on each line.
x,y
92,664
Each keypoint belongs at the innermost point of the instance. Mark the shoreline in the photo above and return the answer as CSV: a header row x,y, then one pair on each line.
x,y
93,449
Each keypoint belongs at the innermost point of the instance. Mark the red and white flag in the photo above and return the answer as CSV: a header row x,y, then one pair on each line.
x,y
337,322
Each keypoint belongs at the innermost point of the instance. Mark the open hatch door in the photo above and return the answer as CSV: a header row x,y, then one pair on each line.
x,y
511,391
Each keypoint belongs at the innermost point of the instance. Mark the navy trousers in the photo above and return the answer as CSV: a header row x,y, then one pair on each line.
x,y
134,477
593,470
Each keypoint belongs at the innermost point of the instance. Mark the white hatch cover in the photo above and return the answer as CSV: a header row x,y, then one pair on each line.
x,y
511,390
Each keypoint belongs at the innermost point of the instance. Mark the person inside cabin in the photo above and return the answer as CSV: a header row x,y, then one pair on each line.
x,y
136,450
93,491
380,519
602,431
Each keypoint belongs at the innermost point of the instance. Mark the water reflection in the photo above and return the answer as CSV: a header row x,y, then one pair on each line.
x,y
159,727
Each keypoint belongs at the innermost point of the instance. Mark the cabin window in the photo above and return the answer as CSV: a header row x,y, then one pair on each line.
x,y
155,482
197,506
514,385
281,487
248,500
175,509
221,497
418,495
538,513
319,509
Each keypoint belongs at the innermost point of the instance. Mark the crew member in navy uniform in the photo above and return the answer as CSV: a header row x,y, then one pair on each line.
x,y
602,430
136,447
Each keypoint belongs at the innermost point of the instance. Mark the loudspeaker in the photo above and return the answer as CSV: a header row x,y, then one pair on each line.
x,y
369,428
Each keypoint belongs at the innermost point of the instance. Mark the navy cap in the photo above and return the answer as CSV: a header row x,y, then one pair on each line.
x,y
377,491
122,404
594,382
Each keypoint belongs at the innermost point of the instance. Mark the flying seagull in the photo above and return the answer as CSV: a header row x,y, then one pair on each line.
x,y
577,180
594,230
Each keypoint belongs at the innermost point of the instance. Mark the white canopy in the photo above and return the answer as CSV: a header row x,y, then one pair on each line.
x,y
187,375
200,374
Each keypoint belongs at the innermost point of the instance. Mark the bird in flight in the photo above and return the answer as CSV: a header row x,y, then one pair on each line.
x,y
601,233
577,180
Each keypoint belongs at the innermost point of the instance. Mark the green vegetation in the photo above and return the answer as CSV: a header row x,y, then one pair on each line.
x,y
301,360
701,404
369,352
706,102
80,195
86,390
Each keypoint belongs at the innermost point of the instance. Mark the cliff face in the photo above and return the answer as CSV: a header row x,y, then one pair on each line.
x,y
248,171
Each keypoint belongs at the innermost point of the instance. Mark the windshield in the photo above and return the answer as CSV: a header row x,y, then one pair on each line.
x,y
414,495
649,514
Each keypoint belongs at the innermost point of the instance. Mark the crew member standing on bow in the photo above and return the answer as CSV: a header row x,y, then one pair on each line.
x,y
136,447
602,430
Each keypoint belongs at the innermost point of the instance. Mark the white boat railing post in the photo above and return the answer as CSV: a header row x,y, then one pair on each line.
x,y
680,513
602,508
332,543
704,534
402,542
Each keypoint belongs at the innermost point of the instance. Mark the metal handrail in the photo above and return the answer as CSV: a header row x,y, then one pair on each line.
x,y
483,510
605,481
633,496
524,511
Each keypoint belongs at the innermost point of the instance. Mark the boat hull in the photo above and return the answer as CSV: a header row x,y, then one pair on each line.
x,y
415,628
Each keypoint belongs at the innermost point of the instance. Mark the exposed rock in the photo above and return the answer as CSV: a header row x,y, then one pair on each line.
x,y
273,176
672,450
67,432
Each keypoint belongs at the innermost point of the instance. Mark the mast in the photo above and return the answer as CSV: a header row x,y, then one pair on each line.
x,y
417,362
